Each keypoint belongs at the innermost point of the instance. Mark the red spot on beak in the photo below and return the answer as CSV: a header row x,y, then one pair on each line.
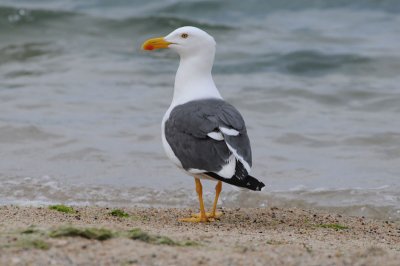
x,y
149,47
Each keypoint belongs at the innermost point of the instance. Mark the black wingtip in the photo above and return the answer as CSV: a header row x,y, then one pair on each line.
x,y
248,182
261,186
253,183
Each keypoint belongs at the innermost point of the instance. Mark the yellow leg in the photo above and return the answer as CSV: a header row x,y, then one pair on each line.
x,y
202,217
213,214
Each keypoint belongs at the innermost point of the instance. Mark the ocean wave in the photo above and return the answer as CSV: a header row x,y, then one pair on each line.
x,y
312,62
261,7
25,52
232,10
336,98
308,63
11,134
14,17
218,10
168,22
379,203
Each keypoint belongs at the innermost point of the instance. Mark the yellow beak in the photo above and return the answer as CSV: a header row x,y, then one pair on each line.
x,y
155,43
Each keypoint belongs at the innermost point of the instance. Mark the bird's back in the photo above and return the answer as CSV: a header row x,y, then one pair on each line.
x,y
209,136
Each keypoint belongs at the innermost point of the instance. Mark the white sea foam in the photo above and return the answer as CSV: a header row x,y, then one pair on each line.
x,y
381,203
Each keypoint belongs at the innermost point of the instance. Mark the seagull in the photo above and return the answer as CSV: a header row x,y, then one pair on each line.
x,y
201,133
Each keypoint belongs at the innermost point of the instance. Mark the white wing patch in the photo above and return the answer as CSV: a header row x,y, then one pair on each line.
x,y
240,158
229,131
216,135
195,171
228,170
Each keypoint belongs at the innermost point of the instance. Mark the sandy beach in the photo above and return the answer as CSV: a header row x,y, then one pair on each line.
x,y
151,236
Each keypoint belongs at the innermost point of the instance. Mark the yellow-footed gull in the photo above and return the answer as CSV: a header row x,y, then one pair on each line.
x,y
201,133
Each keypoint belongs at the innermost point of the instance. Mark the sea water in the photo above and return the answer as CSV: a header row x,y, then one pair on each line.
x,y
316,81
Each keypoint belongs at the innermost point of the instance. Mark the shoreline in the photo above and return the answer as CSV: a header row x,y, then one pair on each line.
x,y
149,236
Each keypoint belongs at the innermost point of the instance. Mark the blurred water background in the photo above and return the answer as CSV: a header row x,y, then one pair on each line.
x,y
317,82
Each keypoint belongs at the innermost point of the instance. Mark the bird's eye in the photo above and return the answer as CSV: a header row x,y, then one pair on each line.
x,y
184,35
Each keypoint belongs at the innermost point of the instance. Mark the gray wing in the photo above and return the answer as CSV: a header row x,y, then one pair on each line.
x,y
188,129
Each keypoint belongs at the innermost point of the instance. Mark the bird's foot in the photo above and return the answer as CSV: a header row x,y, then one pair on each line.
x,y
197,219
209,215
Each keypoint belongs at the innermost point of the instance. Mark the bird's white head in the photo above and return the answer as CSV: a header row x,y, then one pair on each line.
x,y
186,41
197,49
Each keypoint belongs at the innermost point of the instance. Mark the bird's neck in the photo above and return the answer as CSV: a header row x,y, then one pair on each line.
x,y
194,80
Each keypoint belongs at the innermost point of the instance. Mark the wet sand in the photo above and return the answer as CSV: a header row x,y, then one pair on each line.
x,y
261,236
